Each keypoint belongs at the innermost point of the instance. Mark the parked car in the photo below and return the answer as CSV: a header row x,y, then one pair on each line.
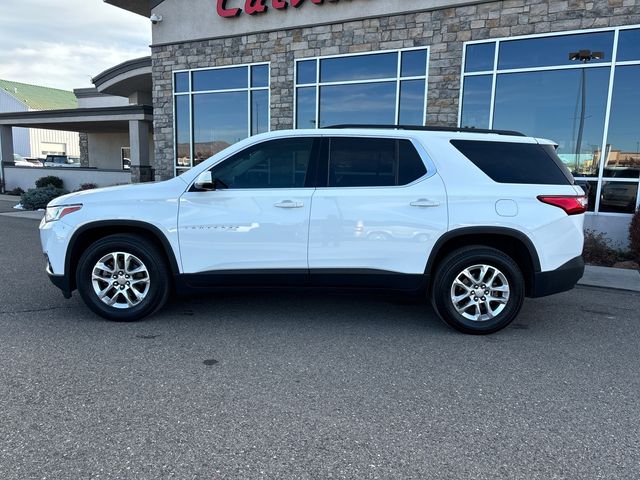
x,y
474,220
20,161
60,161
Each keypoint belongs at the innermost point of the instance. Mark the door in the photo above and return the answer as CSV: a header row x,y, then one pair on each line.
x,y
381,210
254,214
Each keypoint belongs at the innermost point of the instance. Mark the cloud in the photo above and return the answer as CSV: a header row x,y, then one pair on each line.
x,y
65,44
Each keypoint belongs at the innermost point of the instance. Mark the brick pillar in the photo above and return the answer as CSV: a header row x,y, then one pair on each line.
x,y
84,149
139,136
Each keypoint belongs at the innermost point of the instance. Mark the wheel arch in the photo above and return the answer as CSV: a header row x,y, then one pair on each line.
x,y
84,236
513,242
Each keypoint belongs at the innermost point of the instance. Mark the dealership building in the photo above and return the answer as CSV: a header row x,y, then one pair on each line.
x,y
568,70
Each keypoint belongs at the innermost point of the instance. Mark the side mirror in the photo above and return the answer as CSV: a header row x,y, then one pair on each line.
x,y
205,182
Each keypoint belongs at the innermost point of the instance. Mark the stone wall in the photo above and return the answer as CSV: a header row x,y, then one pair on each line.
x,y
443,30
84,149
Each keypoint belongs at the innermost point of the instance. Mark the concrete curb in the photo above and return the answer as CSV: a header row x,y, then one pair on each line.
x,y
9,198
616,278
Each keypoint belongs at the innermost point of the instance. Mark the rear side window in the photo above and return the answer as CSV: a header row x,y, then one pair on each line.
x,y
506,162
373,162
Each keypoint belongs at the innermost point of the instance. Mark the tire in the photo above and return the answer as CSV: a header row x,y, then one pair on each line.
x,y
469,315
141,284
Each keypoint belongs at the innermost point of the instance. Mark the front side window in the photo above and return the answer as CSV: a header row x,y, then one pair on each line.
x,y
374,88
217,107
373,162
281,163
565,87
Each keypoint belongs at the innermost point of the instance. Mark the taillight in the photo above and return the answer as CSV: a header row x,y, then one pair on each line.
x,y
571,204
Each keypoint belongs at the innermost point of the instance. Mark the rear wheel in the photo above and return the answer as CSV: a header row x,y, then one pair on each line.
x,y
123,278
478,290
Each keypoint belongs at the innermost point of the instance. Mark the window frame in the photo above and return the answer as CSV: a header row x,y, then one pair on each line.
x,y
612,64
190,93
398,79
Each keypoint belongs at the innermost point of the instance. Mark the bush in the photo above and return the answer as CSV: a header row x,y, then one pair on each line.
x,y
634,236
37,198
49,181
16,191
598,249
87,186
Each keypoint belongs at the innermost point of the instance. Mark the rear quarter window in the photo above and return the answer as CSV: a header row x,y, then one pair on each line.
x,y
507,162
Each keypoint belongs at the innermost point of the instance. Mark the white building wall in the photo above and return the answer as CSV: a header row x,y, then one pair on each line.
x,y
39,136
21,144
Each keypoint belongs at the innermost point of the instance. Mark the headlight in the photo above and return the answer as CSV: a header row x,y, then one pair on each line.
x,y
56,213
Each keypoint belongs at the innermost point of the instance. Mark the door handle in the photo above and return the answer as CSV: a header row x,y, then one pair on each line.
x,y
424,203
289,204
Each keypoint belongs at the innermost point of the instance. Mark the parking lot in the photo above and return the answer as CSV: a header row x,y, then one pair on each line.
x,y
281,385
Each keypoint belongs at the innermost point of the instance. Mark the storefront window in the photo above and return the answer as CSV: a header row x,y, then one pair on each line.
x,y
217,107
539,90
373,88
549,103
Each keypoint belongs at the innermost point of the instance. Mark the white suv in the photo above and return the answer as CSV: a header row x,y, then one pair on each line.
x,y
475,220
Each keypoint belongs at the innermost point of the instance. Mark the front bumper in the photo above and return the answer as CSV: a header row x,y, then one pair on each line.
x,y
559,280
62,282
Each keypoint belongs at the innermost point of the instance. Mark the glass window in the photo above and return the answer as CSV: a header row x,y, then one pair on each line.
x,y
365,103
182,82
220,79
509,162
373,162
350,89
306,107
591,189
623,141
619,197
260,76
476,101
259,111
362,162
479,57
183,138
212,117
359,67
306,72
411,166
548,51
566,106
219,120
412,102
628,45
414,63
125,156
281,163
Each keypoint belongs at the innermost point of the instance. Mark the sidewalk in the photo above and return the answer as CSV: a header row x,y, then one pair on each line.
x,y
606,277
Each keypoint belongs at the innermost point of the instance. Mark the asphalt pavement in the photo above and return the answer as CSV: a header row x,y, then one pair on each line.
x,y
311,386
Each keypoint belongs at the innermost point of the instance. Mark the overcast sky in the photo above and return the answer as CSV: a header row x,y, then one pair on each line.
x,y
63,43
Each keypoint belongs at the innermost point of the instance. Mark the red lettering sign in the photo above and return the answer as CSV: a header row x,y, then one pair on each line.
x,y
253,7
223,11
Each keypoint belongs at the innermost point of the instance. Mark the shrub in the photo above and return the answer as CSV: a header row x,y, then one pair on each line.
x,y
16,191
36,198
50,180
634,236
87,186
598,249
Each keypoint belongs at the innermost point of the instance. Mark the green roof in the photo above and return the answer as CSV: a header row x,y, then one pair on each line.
x,y
40,98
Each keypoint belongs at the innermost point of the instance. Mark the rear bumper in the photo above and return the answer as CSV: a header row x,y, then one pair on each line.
x,y
559,280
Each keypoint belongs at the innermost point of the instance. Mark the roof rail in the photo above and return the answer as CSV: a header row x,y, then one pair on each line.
x,y
429,129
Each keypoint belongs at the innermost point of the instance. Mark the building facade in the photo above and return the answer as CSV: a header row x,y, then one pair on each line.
x,y
38,142
567,70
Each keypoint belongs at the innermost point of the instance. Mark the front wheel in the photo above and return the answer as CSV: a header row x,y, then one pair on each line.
x,y
478,290
123,278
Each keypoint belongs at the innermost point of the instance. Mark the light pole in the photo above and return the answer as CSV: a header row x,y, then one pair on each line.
x,y
584,56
